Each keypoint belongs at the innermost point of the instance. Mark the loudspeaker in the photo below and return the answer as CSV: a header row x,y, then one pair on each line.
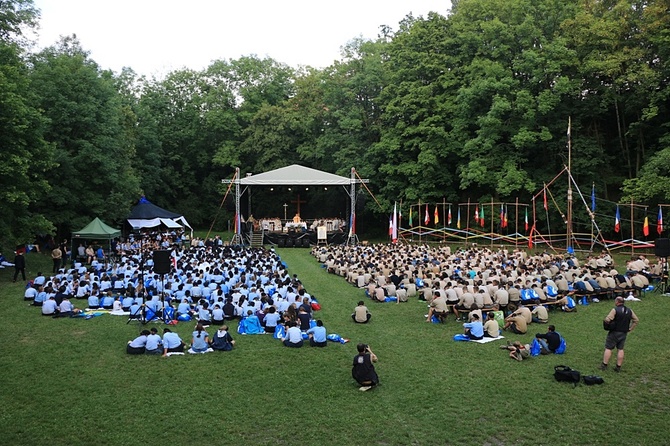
x,y
162,262
662,247
305,242
281,242
289,242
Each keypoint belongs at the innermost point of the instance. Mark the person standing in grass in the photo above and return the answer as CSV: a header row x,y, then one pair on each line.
x,y
363,369
624,321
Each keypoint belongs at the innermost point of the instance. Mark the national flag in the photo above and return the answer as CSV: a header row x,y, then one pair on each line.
x,y
481,217
544,198
426,220
530,237
400,215
436,216
458,219
238,223
390,225
659,222
394,232
477,213
645,226
526,220
352,224
174,260
410,216
569,125
617,220
505,220
449,216
593,198
502,216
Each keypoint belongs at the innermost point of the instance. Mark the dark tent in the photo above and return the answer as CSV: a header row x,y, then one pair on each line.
x,y
147,215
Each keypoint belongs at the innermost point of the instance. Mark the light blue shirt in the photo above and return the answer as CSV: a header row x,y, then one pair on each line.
x,y
476,328
319,333
199,343
171,340
153,341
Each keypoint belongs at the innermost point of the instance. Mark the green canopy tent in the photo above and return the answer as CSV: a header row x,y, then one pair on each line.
x,y
95,230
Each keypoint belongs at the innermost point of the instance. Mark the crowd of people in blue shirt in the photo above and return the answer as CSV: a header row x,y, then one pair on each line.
x,y
209,283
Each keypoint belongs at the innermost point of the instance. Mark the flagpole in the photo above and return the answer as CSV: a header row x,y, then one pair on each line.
x,y
516,223
419,215
632,230
568,234
467,223
444,221
491,218
593,195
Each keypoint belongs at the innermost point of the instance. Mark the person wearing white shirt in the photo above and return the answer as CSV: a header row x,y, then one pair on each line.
x,y
293,337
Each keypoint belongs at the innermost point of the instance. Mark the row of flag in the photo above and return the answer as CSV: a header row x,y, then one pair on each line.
x,y
396,218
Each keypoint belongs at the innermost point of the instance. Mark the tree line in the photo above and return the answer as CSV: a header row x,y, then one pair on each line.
x,y
474,104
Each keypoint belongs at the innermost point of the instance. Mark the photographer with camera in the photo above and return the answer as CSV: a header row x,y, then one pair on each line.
x,y
363,371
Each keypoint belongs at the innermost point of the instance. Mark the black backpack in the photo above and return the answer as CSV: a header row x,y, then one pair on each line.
x,y
566,374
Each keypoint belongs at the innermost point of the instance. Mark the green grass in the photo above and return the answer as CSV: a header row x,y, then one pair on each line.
x,y
69,381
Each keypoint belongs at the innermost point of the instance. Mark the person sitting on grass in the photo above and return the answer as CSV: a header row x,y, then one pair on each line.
x,y
138,345
474,330
271,320
361,314
293,337
516,323
66,309
549,341
317,335
172,343
153,345
491,327
199,340
222,340
438,307
363,369
50,307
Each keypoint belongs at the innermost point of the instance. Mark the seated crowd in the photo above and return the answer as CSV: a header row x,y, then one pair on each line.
x,y
520,285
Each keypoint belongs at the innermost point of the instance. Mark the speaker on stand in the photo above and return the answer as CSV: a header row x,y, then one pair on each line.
x,y
662,251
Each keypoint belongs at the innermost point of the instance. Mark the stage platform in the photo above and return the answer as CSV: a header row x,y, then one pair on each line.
x,y
301,239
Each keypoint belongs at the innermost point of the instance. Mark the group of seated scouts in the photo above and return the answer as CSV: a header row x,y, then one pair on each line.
x,y
480,278
149,342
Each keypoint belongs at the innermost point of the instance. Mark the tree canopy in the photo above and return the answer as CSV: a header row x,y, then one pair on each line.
x,y
474,104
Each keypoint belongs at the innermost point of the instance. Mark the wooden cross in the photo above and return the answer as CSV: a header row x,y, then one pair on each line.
x,y
298,201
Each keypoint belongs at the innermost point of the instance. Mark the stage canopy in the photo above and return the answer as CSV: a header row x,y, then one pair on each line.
x,y
98,230
295,175
147,215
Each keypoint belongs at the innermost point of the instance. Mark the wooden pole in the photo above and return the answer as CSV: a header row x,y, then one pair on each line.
x,y
491,218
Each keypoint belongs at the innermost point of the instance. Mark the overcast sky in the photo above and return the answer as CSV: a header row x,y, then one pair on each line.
x,y
154,37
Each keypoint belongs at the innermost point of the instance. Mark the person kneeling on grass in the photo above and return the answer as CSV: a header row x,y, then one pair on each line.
x,y
363,371
317,335
138,345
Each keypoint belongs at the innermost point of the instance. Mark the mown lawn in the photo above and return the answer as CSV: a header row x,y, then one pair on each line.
x,y
69,381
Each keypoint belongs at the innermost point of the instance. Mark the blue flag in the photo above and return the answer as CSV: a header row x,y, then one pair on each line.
x,y
593,198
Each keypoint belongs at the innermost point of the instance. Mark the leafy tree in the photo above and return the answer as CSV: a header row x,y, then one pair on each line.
x,y
95,175
26,154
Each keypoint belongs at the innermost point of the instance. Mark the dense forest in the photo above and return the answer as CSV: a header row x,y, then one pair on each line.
x,y
474,105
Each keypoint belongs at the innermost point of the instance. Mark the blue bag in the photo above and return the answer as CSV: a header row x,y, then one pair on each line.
x,y
535,348
561,347
280,332
461,337
334,337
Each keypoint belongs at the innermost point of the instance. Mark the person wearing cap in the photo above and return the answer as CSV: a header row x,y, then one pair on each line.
x,y
625,320
172,343
138,345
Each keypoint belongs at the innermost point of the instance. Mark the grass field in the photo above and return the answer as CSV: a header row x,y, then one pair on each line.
x,y
69,381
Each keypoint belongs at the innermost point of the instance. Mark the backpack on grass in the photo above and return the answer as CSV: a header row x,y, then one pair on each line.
x,y
566,374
